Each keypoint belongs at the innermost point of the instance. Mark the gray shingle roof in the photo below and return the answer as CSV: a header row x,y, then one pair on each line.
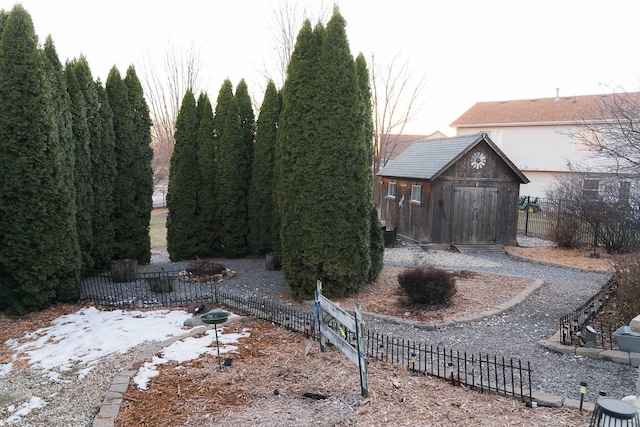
x,y
426,159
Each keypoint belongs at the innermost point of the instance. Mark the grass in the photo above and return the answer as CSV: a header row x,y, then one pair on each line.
x,y
158,228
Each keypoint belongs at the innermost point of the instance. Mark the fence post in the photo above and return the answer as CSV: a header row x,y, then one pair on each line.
x,y
526,216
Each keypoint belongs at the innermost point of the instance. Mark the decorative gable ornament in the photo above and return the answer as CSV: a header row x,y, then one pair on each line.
x,y
478,160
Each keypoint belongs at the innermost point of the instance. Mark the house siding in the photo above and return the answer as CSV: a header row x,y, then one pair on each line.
x,y
540,152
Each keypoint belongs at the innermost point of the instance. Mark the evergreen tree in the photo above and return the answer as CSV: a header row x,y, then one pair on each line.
x,y
376,244
326,217
126,149
184,181
248,124
82,166
101,147
262,210
207,243
296,173
38,262
143,172
62,133
231,174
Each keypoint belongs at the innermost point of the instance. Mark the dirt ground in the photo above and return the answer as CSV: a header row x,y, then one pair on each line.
x,y
272,370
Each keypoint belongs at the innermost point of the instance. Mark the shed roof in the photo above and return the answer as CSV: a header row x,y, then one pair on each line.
x,y
563,109
427,159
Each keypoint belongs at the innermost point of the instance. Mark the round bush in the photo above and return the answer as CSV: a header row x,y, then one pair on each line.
x,y
428,285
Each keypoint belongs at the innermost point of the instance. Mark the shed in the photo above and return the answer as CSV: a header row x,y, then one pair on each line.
x,y
461,190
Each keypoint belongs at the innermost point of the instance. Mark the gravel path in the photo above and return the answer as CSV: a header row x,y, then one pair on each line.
x,y
514,333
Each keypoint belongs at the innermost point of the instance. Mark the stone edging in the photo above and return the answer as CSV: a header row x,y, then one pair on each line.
x,y
462,320
110,406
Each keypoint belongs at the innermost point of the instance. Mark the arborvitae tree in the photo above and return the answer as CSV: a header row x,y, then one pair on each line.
x,y
3,19
62,132
376,244
184,184
126,149
103,167
297,135
231,178
82,167
327,234
248,124
143,172
36,210
207,243
262,206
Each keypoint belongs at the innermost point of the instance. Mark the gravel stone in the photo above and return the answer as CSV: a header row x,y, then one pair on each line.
x,y
73,398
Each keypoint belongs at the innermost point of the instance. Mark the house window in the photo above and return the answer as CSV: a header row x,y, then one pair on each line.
x,y
590,188
416,194
587,140
391,190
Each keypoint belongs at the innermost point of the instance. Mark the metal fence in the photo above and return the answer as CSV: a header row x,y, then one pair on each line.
x,y
481,372
538,217
593,225
578,328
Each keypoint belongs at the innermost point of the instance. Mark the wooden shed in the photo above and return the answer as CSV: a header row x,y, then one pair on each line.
x,y
461,191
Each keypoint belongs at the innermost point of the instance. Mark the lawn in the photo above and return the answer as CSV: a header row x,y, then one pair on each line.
x,y
157,227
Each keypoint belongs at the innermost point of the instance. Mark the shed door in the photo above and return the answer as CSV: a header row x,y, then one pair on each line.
x,y
474,215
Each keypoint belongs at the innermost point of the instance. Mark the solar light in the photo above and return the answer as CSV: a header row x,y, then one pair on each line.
x,y
583,391
413,361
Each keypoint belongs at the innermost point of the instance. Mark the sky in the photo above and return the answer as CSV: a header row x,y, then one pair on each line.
x,y
82,338
467,51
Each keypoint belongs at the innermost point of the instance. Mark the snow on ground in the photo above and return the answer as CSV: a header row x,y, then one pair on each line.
x,y
80,339
188,349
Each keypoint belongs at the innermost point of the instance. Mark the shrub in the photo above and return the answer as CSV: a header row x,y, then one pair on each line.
x,y
626,271
565,230
428,285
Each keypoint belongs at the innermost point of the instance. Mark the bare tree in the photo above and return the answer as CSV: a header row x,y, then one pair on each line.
x,y
612,132
165,85
287,21
395,91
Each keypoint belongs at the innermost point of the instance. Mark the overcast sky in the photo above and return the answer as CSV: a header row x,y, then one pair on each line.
x,y
468,50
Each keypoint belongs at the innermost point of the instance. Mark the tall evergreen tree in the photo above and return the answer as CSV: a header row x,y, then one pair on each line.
x,y
231,175
327,234
37,262
248,125
262,203
62,132
101,146
143,172
126,149
297,175
376,244
82,166
207,243
184,181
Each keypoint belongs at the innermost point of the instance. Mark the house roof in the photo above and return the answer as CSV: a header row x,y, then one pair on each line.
x,y
428,158
395,144
572,109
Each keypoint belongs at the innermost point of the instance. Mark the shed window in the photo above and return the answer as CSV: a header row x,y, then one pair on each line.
x,y
391,190
416,193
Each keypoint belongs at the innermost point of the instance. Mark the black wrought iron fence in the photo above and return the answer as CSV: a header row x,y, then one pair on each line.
x,y
538,217
588,225
482,372
578,327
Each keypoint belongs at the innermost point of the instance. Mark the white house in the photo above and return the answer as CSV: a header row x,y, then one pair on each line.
x,y
542,137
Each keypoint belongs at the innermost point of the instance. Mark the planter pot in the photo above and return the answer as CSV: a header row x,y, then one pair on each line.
x,y
627,340
389,238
